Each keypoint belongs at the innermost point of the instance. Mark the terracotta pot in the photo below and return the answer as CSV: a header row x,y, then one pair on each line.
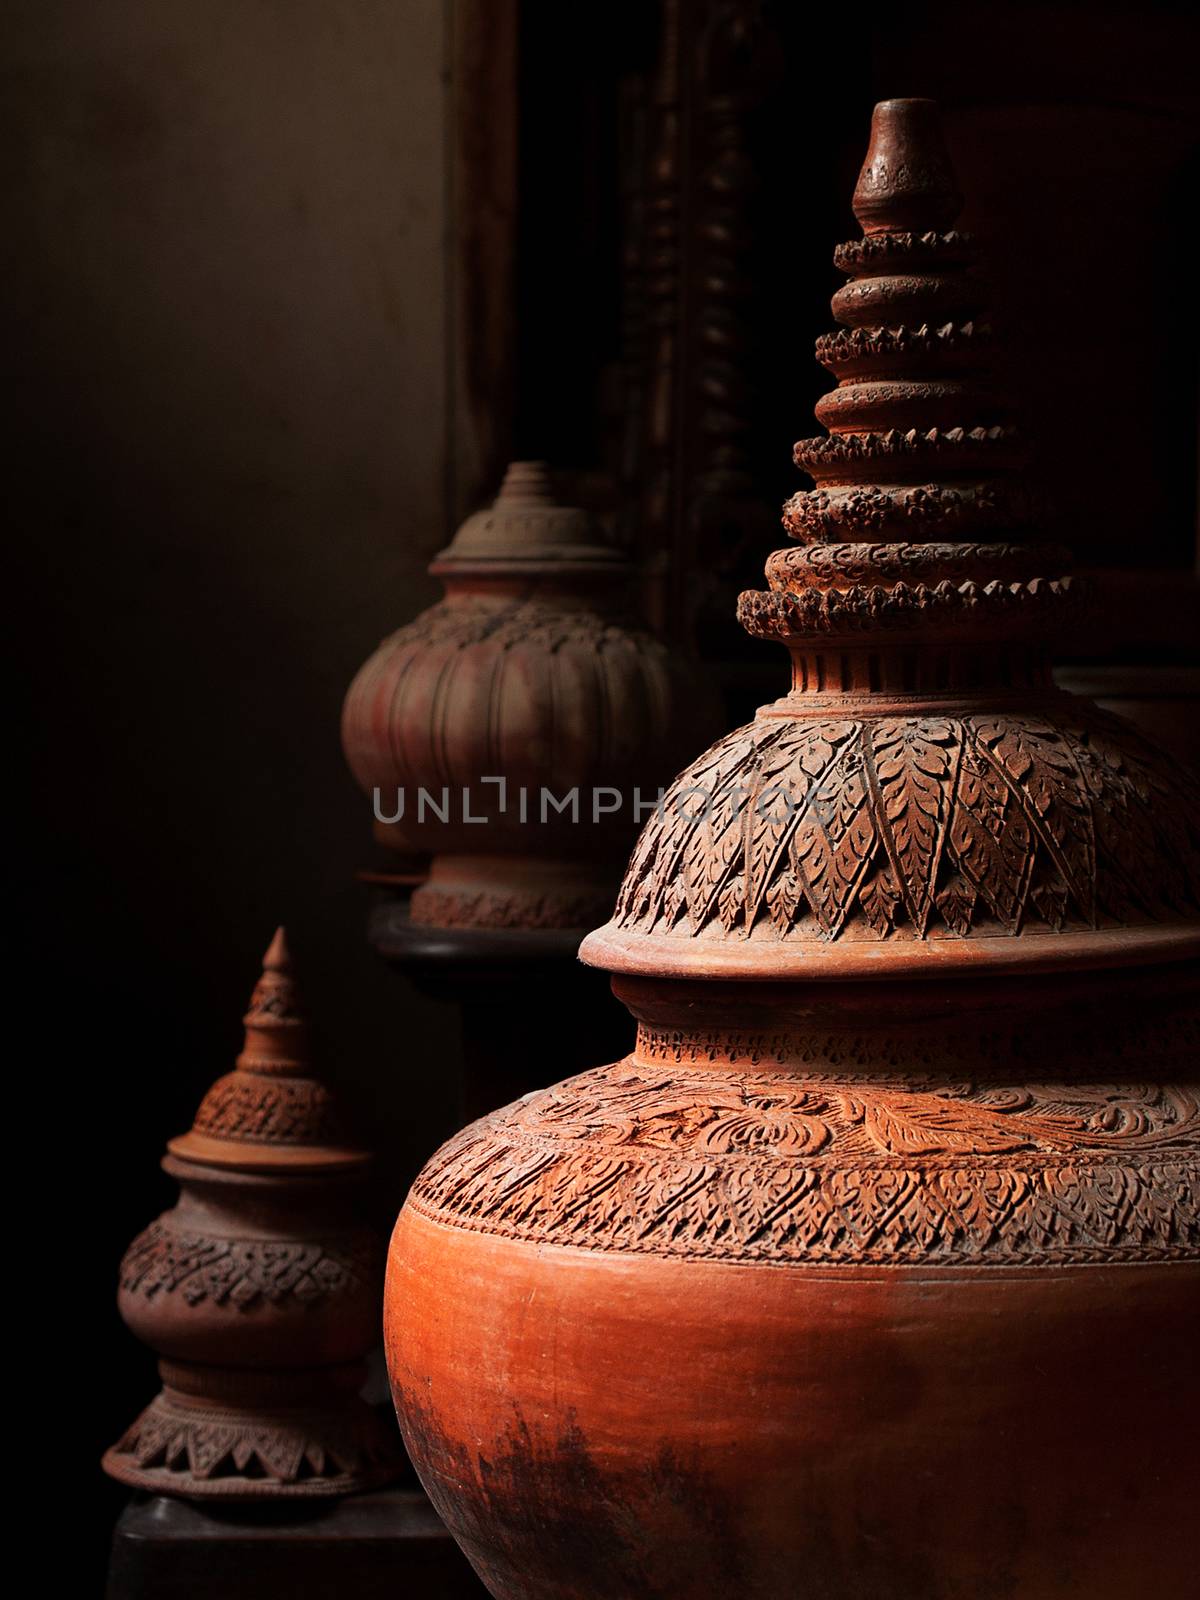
x,y
259,1288
873,1270
531,683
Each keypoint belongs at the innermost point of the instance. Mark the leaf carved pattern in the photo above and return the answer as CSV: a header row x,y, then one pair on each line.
x,y
907,826
990,837
834,840
774,1166
1040,765
1139,794
786,788
911,764
652,885
908,1125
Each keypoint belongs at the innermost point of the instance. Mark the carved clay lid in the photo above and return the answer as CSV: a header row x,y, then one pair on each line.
x,y
527,532
272,1111
924,800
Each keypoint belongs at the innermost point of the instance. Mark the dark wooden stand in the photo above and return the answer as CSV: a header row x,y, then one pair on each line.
x,y
521,997
388,1545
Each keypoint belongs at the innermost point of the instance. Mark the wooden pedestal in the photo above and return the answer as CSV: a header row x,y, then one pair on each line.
x,y
388,1545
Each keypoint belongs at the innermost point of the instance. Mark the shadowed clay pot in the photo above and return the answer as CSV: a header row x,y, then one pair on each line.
x,y
259,1288
530,683
874,1269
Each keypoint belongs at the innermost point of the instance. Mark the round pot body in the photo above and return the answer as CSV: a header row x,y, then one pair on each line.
x,y
518,732
544,685
232,1276
885,1290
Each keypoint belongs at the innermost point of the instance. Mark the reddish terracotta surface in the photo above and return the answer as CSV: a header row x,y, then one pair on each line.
x,y
533,671
259,1288
816,1433
874,1269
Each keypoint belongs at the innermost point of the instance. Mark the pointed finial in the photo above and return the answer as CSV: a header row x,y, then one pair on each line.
x,y
276,1025
907,183
278,957
918,520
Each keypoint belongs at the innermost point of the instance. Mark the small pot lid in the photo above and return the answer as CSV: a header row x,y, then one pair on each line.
x,y
526,530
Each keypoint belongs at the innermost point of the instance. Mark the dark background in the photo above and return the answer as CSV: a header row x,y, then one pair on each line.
x,y
231,291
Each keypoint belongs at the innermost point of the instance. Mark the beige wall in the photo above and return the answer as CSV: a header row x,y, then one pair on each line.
x,y
224,307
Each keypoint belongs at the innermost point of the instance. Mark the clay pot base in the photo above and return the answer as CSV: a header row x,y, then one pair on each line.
x,y
244,1449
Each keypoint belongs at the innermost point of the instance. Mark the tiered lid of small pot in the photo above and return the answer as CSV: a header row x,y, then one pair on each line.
x,y
273,1111
526,530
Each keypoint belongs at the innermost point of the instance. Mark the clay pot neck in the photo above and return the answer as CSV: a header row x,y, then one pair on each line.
x,y
258,1390
875,674
248,1203
1040,1026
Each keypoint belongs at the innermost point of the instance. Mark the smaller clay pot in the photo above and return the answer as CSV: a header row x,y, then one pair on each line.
x,y
259,1289
531,683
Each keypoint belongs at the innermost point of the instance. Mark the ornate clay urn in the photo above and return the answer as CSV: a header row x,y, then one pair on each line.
x,y
503,732
874,1269
259,1288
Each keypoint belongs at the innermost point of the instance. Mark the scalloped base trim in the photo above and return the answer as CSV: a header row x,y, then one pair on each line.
x,y
217,1452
